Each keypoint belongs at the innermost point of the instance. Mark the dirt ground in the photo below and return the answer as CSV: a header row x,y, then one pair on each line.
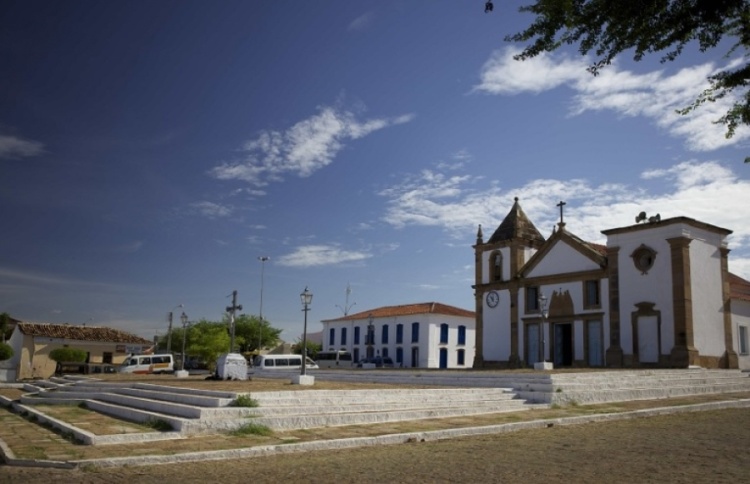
x,y
698,447
695,447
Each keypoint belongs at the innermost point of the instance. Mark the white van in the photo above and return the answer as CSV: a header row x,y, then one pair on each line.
x,y
334,359
281,363
144,364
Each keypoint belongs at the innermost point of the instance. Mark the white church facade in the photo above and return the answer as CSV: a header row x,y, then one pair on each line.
x,y
422,335
658,294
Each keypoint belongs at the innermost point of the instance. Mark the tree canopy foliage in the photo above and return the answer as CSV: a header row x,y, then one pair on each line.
x,y
68,355
608,28
6,352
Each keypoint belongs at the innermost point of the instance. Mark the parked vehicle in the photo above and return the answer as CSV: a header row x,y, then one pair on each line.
x,y
281,362
334,359
148,364
378,361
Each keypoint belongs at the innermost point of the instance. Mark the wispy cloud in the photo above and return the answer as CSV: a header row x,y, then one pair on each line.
x,y
211,209
131,247
706,191
361,22
301,150
12,147
27,277
654,95
321,255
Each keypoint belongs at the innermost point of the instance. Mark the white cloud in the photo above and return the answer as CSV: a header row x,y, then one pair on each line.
x,y
304,148
654,95
321,255
12,147
131,247
361,22
212,210
706,191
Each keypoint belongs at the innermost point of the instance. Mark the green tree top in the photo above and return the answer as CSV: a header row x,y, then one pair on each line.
x,y
608,28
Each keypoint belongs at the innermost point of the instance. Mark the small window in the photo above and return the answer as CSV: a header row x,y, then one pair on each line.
x,y
332,337
399,355
460,358
415,332
743,340
107,358
356,335
268,363
399,334
384,334
462,335
385,353
146,361
643,258
444,333
591,294
532,299
343,336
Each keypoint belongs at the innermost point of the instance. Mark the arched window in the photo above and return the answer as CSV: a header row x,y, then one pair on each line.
x,y
496,266
444,333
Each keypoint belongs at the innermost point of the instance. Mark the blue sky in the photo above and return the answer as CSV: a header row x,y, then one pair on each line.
x,y
150,152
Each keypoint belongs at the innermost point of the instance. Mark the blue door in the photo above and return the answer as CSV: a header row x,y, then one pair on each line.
x,y
443,358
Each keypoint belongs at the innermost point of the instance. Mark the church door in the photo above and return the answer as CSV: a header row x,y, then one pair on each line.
x,y
532,344
595,356
563,353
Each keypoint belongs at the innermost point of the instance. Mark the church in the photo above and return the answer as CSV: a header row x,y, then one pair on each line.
x,y
658,294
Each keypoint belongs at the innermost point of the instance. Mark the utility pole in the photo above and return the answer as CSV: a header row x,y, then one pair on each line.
x,y
263,259
231,310
169,334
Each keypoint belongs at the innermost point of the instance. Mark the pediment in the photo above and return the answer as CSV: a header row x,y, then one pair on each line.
x,y
563,254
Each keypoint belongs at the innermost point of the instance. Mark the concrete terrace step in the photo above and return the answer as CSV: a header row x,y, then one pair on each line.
x,y
320,397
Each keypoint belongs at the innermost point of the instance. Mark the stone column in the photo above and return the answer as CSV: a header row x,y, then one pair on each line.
x,y
730,359
614,352
683,353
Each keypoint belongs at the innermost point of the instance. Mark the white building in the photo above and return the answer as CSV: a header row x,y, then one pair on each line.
x,y
426,335
657,295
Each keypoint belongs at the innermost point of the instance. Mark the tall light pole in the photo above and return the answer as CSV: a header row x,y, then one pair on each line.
x,y
184,319
306,298
263,259
544,313
370,336
169,330
231,310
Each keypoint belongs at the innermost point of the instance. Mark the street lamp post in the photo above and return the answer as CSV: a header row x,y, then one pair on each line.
x,y
263,259
306,298
542,340
370,336
184,319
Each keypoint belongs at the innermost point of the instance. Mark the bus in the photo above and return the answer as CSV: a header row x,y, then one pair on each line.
x,y
334,359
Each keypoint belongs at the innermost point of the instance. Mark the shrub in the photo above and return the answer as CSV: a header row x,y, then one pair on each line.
x,y
6,352
245,401
73,355
252,429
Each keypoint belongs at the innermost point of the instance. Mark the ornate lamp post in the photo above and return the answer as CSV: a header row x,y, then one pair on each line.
x,y
306,298
544,312
184,319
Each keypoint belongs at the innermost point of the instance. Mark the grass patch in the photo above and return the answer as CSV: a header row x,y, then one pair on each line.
x,y
245,401
252,429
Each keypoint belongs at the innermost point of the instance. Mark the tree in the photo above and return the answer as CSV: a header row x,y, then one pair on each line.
x,y
610,27
207,341
4,324
249,327
68,355
6,351
313,348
